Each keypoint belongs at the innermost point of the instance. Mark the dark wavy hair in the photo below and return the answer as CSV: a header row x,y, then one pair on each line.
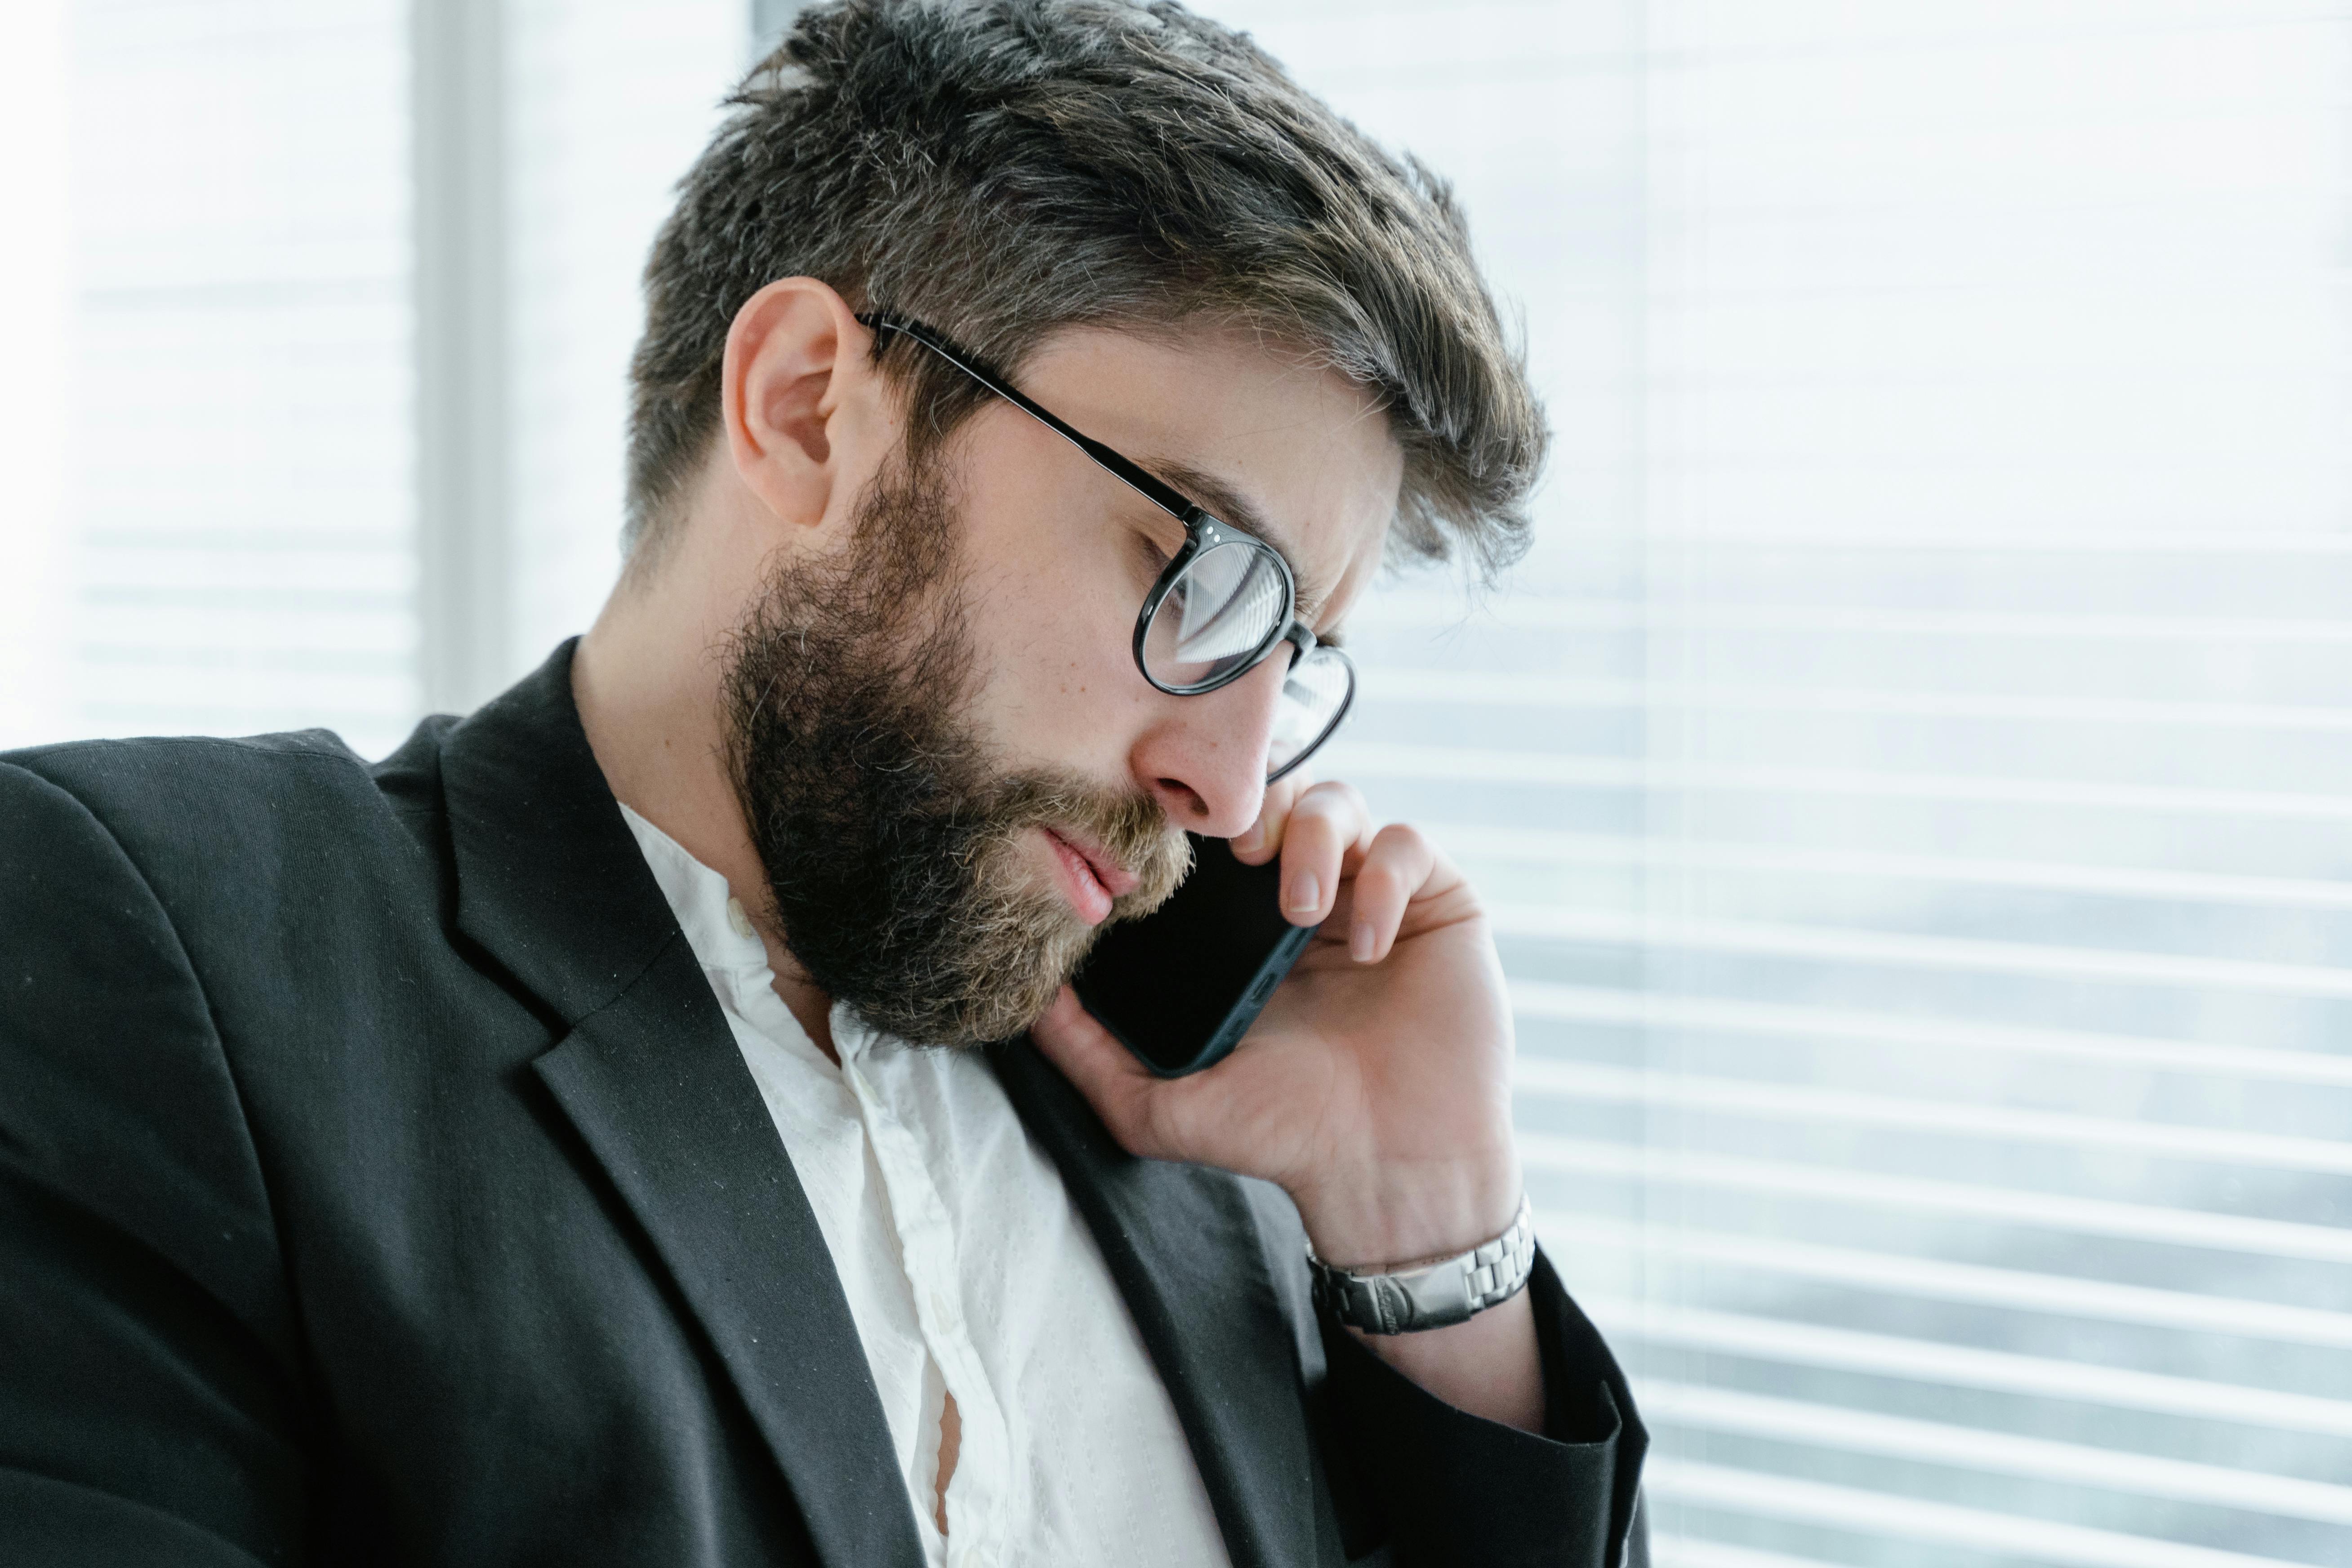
x,y
1004,169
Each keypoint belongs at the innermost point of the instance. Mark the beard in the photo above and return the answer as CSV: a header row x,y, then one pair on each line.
x,y
891,838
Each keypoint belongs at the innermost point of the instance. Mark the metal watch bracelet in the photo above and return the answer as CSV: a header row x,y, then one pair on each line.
x,y
1431,1295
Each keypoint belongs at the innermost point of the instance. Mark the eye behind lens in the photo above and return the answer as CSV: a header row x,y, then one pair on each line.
x,y
1218,615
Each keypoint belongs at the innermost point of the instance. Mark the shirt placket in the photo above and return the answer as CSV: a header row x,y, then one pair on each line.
x,y
927,1243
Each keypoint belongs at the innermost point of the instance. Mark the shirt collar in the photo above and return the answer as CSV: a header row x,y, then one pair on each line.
x,y
707,912
706,908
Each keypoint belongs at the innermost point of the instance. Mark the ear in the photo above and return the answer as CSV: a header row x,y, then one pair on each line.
x,y
798,392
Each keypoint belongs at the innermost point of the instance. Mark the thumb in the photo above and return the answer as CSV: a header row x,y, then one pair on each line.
x,y
1120,1088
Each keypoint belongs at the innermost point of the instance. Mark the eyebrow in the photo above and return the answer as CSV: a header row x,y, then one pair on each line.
x,y
1229,505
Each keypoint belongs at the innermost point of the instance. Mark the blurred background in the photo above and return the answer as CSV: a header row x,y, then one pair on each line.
x,y
1913,772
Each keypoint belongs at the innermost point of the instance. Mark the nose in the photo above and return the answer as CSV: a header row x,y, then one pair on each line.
x,y
1203,758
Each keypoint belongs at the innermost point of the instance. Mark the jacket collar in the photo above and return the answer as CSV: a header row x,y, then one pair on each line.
x,y
549,881
550,885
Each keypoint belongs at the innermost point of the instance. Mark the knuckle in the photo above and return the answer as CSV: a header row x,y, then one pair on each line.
x,y
1339,806
1316,819
1382,882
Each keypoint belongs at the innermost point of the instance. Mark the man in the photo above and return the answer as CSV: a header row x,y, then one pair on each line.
x,y
645,1121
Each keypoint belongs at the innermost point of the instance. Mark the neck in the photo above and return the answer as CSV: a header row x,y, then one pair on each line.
x,y
646,678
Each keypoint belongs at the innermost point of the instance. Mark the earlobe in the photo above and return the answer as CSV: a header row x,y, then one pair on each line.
x,y
794,354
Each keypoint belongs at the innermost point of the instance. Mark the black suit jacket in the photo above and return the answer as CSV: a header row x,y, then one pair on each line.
x,y
379,1182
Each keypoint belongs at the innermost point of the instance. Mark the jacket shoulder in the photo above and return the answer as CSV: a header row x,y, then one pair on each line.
x,y
140,1242
166,800
123,772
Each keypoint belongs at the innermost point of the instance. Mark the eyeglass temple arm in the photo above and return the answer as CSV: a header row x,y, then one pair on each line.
x,y
1173,502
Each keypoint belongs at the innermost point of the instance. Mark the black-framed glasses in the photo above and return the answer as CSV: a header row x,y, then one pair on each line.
x,y
1223,602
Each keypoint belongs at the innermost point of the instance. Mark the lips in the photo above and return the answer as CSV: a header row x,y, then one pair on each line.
x,y
1115,877
1093,878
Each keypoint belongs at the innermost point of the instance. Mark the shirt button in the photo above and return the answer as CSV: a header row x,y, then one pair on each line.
x,y
737,918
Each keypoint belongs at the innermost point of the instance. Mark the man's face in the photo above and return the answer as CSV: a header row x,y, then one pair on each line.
x,y
949,764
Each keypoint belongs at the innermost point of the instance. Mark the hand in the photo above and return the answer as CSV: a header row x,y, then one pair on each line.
x,y
1375,1087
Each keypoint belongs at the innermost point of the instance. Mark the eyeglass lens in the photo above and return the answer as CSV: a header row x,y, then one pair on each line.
x,y
1314,695
1225,605
1222,610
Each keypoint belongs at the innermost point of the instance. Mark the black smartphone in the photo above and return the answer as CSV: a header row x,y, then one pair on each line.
x,y
1181,986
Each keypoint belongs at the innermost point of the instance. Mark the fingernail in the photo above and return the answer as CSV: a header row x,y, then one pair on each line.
x,y
1361,942
1248,844
1305,892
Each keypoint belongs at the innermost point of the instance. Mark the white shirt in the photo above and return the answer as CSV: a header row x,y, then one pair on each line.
x,y
967,1269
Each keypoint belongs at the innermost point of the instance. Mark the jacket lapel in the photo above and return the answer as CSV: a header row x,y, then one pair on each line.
x,y
1186,1248
552,884
655,1084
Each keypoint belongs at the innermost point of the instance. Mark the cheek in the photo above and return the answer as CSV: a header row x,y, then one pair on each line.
x,y
1059,685
1051,609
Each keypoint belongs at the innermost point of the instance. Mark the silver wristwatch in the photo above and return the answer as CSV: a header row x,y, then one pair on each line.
x,y
1430,1295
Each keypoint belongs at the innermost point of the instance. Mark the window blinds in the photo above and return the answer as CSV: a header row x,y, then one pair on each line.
x,y
241,521
611,102
35,284
1913,779
240,512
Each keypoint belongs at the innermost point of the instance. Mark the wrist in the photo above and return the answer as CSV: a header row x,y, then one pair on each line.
x,y
1490,1365
1394,1219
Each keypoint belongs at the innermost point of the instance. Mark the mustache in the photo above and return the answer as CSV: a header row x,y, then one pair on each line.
x,y
1128,826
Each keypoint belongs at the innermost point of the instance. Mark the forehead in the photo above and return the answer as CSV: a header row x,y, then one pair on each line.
x,y
1289,450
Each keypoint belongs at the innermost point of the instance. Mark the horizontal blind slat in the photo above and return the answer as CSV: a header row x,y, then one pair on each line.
x,y
1541,999
1881,1189
1410,609
1882,947
1503,688
1668,1550
1553,846
1971,1284
1936,1362
1726,1410
1763,1100
1357,758
1941,1524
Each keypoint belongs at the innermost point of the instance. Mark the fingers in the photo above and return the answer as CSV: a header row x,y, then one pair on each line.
x,y
1333,862
1327,822
1264,839
1119,1087
1396,868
